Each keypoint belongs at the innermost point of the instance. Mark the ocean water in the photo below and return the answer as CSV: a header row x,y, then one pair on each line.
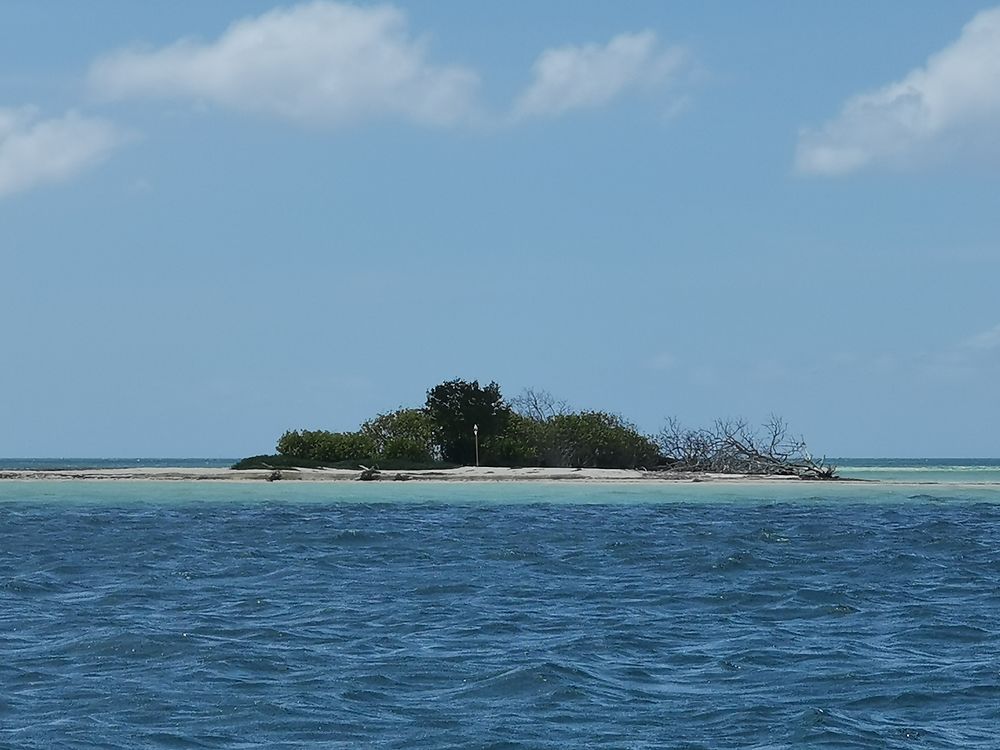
x,y
77,464
921,470
405,615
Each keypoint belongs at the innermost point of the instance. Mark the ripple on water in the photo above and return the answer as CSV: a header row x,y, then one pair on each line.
x,y
717,625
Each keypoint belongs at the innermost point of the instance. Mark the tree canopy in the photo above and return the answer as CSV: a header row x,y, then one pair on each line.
x,y
403,434
457,408
536,429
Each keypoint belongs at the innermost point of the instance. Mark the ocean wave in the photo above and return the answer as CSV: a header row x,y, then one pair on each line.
x,y
775,622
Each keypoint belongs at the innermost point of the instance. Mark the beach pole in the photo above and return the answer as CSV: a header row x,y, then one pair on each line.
x,y
475,434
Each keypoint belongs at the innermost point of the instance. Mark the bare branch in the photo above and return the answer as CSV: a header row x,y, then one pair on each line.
x,y
538,405
732,446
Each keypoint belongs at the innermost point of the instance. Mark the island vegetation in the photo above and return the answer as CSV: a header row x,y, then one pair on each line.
x,y
463,423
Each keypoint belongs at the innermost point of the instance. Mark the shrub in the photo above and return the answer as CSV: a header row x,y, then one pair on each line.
x,y
291,462
404,434
276,462
595,439
320,445
520,444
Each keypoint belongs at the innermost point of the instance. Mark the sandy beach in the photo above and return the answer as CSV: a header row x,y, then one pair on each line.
x,y
463,474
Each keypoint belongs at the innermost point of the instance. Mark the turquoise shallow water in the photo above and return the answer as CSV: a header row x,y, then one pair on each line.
x,y
922,470
403,615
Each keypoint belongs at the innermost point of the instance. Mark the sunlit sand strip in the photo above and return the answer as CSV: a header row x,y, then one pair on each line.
x,y
464,474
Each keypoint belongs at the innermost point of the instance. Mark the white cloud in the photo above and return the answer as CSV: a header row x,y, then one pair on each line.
x,y
953,101
985,341
588,76
321,63
36,151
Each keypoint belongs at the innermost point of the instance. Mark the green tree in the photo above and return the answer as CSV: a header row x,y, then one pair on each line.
x,y
520,444
403,434
596,439
455,407
320,445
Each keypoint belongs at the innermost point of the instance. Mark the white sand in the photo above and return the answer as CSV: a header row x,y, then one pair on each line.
x,y
464,474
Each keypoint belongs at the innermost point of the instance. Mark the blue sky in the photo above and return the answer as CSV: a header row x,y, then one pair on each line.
x,y
222,220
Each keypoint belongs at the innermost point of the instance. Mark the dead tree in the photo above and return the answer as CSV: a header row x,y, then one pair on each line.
x,y
369,474
732,446
538,405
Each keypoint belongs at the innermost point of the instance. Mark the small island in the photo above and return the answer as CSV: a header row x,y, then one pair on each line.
x,y
468,431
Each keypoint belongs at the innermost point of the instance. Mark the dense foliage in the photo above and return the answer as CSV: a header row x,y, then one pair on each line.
x,y
279,461
596,439
535,429
589,439
457,409
320,445
407,434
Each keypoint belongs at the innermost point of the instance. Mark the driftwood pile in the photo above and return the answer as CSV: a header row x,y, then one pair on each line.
x,y
734,447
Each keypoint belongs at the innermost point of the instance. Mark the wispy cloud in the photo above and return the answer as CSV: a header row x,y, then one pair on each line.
x,y
592,75
985,341
321,63
36,151
328,63
952,102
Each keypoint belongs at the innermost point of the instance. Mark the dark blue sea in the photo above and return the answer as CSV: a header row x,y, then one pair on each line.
x,y
397,615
